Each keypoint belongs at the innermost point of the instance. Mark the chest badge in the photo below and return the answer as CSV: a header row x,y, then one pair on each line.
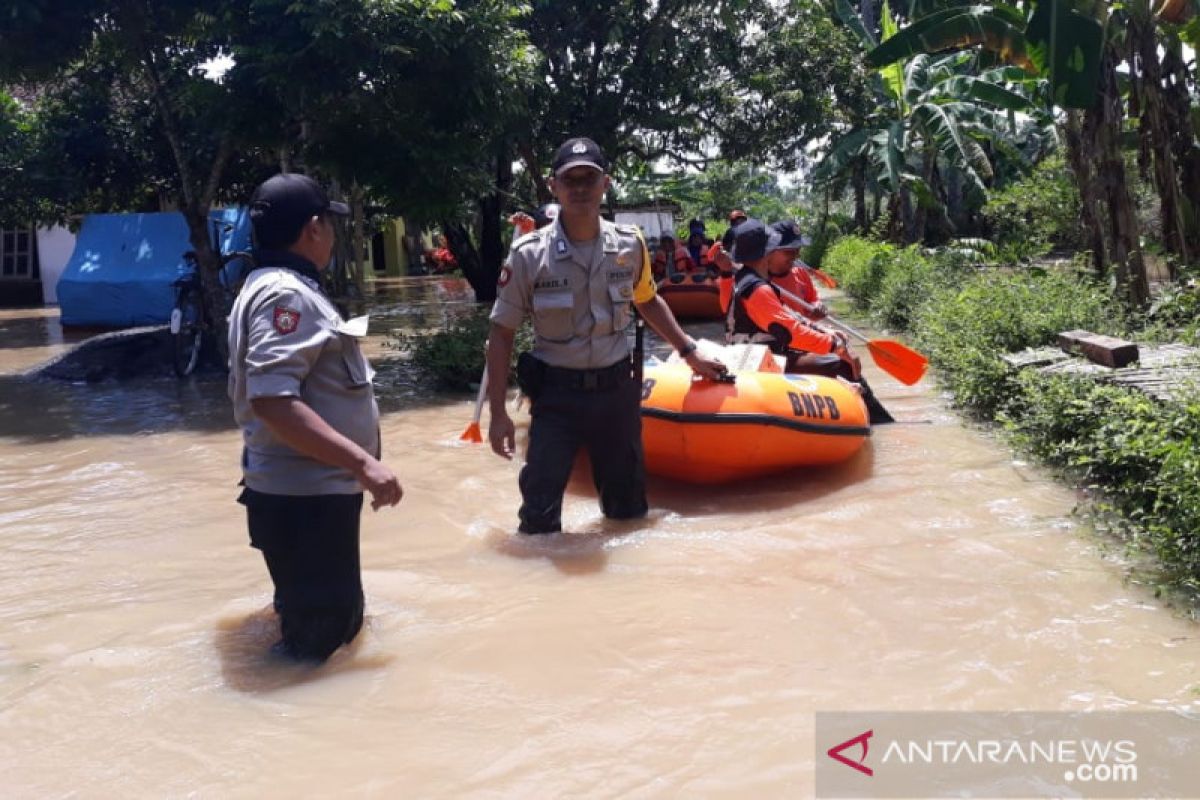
x,y
286,320
622,260
560,247
626,291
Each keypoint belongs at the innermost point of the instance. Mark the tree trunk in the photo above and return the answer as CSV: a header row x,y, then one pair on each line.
x,y
536,173
1089,192
358,242
1155,130
1178,108
458,239
858,179
1102,125
491,241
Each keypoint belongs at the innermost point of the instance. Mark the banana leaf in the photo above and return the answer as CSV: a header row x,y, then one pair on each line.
x,y
956,29
955,146
1066,46
853,21
843,154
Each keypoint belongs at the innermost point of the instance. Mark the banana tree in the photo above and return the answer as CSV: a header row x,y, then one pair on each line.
x,y
934,113
1071,45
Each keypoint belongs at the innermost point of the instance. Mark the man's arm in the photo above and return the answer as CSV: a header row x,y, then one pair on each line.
x,y
768,314
501,432
303,430
659,317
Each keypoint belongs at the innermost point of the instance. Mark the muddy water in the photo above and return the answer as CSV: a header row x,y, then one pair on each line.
x,y
681,656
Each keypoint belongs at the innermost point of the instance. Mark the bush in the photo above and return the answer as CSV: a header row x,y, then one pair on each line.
x,y
964,331
454,356
858,264
1037,213
910,278
1140,455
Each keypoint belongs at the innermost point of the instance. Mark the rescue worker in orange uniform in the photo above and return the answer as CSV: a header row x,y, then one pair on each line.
x,y
672,259
789,275
756,314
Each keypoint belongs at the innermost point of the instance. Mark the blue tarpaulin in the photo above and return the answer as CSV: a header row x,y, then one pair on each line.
x,y
123,266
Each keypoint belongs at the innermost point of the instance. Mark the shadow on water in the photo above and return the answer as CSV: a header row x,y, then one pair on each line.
x,y
571,553
243,646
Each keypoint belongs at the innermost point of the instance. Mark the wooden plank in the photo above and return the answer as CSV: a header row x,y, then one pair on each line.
x,y
1069,340
1108,350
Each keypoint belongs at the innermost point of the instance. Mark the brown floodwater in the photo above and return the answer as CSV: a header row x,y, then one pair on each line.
x,y
681,656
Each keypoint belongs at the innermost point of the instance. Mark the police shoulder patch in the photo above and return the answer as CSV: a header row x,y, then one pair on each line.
x,y
505,276
285,320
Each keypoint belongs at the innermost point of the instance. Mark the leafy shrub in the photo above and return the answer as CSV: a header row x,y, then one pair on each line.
x,y
1175,313
1037,213
1142,457
909,279
858,264
454,356
964,331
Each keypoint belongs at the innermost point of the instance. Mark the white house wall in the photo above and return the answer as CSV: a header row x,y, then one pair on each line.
x,y
54,250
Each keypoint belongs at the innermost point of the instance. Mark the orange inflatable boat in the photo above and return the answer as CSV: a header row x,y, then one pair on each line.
x,y
692,297
705,432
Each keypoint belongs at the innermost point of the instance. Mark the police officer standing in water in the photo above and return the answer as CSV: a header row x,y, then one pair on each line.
x,y
301,390
578,278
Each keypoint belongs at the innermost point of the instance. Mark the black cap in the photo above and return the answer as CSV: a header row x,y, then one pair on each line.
x,y
545,214
751,241
789,235
283,204
578,152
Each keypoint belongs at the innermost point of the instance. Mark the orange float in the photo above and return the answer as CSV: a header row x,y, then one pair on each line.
x,y
692,296
706,432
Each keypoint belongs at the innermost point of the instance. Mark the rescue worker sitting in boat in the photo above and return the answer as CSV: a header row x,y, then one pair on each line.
x,y
671,260
790,275
756,314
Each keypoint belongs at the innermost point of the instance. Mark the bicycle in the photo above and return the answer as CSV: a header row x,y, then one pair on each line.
x,y
192,322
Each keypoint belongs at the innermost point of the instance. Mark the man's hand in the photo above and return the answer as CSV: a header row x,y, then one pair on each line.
x,y
842,351
502,434
818,310
383,485
718,256
705,367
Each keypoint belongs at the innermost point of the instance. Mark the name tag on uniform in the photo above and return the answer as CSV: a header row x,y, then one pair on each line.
x,y
620,275
355,326
551,283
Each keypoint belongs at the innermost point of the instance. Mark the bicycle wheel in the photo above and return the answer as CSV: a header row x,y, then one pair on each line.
x,y
186,334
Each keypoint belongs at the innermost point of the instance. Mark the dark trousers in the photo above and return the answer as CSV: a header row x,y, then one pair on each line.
x,y
310,544
832,366
608,423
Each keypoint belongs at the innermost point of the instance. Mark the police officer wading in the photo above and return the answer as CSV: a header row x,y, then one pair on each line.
x,y
301,390
578,279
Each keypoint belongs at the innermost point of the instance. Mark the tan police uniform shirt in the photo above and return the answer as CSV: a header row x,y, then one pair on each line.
x,y
286,339
580,304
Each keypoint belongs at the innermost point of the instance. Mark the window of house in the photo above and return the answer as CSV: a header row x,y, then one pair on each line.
x,y
16,254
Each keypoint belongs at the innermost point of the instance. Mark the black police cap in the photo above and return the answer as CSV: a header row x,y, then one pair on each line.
x,y
578,152
751,241
282,204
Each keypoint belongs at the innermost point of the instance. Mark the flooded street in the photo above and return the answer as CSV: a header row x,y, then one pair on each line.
x,y
681,656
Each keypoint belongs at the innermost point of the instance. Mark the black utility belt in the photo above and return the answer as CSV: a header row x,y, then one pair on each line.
x,y
590,380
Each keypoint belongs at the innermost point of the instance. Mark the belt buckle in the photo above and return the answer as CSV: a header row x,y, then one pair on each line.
x,y
590,381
